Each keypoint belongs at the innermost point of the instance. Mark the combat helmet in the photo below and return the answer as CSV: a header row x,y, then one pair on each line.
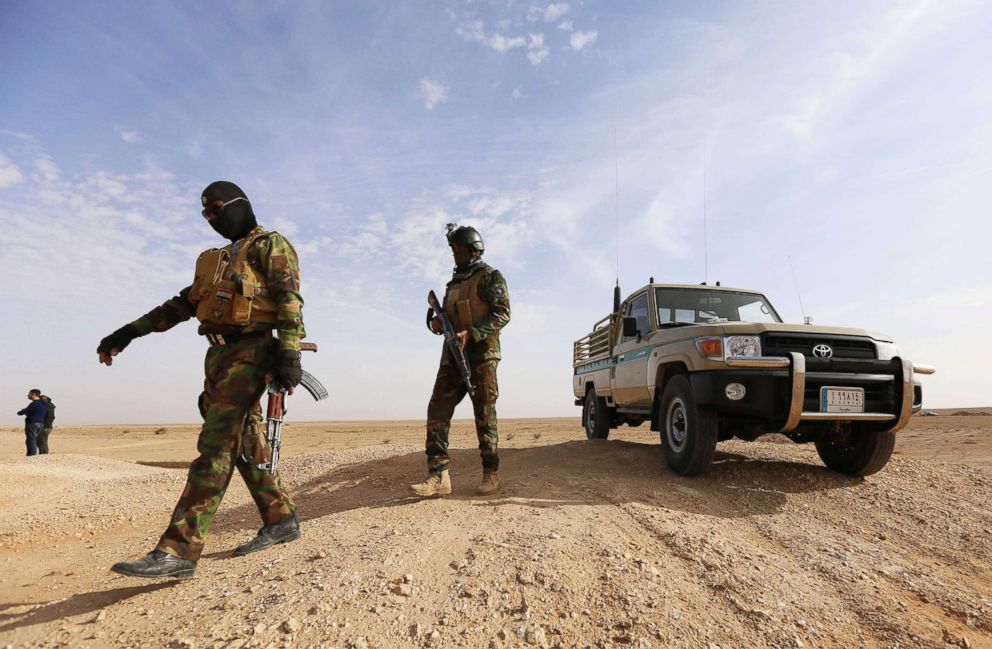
x,y
467,236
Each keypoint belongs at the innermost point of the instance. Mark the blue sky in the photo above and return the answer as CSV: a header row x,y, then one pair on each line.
x,y
852,136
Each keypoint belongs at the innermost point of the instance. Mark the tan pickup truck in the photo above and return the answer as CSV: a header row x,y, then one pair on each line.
x,y
707,363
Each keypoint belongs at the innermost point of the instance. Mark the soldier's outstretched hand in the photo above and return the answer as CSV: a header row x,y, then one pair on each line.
x,y
115,343
462,338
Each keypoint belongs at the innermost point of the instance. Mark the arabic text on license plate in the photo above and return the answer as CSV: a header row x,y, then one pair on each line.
x,y
842,399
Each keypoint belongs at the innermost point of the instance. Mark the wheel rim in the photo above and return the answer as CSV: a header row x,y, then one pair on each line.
x,y
591,417
676,425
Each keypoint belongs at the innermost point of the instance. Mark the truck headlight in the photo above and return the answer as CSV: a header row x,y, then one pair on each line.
x,y
886,351
746,346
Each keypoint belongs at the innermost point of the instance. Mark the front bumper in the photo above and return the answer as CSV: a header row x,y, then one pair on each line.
x,y
782,391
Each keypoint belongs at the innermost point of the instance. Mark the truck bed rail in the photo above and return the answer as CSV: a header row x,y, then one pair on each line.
x,y
594,345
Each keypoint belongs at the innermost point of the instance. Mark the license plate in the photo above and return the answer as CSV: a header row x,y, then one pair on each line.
x,y
842,399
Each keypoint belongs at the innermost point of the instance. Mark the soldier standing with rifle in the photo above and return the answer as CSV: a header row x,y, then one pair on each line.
x,y
240,293
476,307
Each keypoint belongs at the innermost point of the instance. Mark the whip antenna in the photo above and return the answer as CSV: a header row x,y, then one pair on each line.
x,y
706,256
806,318
616,198
616,217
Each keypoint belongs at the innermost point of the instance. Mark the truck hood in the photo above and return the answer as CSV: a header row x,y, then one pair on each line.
x,y
733,328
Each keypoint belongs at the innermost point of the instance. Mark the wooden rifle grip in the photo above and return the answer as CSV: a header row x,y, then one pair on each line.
x,y
274,407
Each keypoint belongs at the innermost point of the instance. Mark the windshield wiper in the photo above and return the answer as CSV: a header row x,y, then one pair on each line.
x,y
670,324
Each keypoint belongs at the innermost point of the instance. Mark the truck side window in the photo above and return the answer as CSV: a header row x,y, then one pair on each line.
x,y
639,309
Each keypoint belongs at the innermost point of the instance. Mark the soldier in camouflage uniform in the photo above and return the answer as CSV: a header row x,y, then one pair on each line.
x,y
240,293
478,304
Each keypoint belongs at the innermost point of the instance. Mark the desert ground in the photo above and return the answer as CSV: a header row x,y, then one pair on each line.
x,y
589,544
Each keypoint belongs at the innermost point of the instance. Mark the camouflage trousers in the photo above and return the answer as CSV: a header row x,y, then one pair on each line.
x,y
235,381
449,390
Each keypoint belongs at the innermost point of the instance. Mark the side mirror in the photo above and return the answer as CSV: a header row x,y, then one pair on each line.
x,y
629,327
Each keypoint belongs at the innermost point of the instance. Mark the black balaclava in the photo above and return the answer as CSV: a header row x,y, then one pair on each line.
x,y
237,219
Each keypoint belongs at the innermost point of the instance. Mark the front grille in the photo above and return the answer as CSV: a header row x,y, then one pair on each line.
x,y
780,344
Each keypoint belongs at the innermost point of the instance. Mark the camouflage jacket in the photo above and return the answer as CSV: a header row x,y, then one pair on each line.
x,y
275,259
484,335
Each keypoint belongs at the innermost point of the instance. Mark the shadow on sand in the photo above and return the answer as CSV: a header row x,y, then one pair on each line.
x,y
75,605
165,465
569,473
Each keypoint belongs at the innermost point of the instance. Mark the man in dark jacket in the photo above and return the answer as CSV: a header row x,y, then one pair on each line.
x,y
34,419
46,427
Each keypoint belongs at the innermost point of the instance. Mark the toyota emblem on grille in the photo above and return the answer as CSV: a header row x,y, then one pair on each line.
x,y
823,351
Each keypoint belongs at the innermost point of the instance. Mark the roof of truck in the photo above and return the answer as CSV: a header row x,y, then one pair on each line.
x,y
705,287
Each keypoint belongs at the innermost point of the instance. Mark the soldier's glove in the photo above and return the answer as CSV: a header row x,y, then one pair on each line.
x,y
118,340
288,371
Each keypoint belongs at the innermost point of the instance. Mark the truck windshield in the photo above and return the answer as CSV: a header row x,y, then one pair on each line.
x,y
687,306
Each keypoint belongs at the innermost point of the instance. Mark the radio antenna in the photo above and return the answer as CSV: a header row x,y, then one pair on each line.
x,y
806,318
616,198
706,256
616,217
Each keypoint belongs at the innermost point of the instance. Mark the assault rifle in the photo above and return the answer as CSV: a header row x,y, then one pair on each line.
x,y
450,339
275,410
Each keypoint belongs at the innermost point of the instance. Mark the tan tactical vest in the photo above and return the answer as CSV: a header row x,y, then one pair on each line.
x,y
228,290
463,304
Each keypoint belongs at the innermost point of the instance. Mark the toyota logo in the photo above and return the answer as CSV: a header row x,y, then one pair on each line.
x,y
823,351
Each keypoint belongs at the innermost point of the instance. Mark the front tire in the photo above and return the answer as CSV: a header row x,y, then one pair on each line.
x,y
596,416
688,432
859,453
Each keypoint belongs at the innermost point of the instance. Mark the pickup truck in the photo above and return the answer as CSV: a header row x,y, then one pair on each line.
x,y
707,363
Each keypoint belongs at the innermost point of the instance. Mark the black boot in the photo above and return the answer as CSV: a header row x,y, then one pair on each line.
x,y
286,530
156,564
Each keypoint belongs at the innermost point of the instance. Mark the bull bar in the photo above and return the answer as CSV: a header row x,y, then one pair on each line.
x,y
796,363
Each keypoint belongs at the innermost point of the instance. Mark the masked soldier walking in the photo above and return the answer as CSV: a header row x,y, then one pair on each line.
x,y
478,304
240,293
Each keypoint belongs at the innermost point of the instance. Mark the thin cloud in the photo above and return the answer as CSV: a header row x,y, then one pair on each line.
x,y
131,137
46,168
548,14
411,240
10,173
24,137
580,39
566,25
82,233
555,11
473,31
537,51
504,44
433,93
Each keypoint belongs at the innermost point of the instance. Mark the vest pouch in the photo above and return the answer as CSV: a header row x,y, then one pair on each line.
x,y
210,268
240,309
216,304
244,293
463,309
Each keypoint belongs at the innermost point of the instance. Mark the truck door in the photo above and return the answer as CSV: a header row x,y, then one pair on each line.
x,y
630,385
